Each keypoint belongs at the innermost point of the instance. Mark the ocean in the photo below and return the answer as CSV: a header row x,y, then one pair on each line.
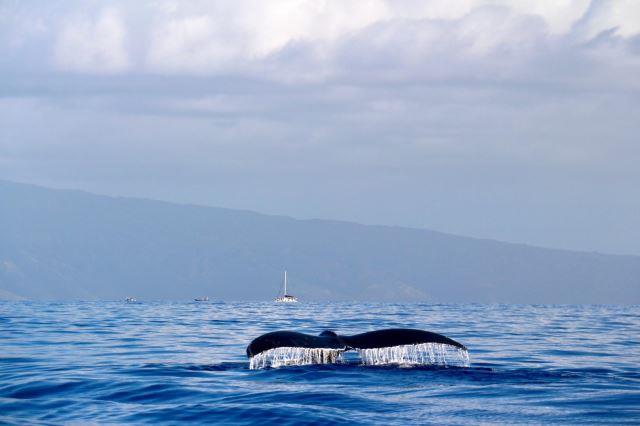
x,y
169,362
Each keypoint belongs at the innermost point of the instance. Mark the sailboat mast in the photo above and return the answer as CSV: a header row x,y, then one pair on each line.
x,y
285,282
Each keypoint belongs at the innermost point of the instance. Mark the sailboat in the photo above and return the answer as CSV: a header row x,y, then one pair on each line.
x,y
286,298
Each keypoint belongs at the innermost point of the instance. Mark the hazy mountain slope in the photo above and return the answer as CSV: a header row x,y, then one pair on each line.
x,y
69,244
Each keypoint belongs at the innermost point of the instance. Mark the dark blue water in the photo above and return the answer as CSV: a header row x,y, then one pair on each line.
x,y
111,362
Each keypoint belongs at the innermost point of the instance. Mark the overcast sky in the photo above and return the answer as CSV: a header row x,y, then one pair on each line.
x,y
511,120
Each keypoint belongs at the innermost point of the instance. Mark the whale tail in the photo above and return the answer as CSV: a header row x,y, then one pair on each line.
x,y
381,347
397,337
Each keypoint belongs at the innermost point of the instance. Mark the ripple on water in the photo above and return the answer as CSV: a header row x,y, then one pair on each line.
x,y
110,362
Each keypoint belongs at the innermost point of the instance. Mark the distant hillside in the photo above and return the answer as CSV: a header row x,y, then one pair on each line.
x,y
74,245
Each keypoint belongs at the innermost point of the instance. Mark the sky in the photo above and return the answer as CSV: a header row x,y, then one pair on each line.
x,y
510,120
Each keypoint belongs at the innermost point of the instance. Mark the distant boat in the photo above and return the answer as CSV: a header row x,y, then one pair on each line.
x,y
286,298
201,299
130,300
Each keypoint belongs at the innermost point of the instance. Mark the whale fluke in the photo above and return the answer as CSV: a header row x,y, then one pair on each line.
x,y
397,337
292,339
330,340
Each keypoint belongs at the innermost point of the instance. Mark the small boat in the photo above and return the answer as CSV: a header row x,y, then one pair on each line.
x,y
201,299
130,300
286,298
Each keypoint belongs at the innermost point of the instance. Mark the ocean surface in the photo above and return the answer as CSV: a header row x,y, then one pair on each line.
x,y
168,362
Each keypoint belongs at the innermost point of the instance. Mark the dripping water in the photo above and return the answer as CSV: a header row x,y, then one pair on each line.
x,y
283,356
436,354
421,354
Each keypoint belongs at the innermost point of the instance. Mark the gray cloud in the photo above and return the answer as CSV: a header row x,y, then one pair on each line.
x,y
516,122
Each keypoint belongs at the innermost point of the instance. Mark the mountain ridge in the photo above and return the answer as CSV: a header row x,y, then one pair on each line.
x,y
74,244
313,219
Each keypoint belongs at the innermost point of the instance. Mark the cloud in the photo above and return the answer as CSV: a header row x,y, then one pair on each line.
x,y
93,45
621,16
305,41
400,112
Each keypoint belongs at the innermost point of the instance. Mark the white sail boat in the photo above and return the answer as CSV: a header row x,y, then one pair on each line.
x,y
286,298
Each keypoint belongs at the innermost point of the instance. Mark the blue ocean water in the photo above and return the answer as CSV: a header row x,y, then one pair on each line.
x,y
112,362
